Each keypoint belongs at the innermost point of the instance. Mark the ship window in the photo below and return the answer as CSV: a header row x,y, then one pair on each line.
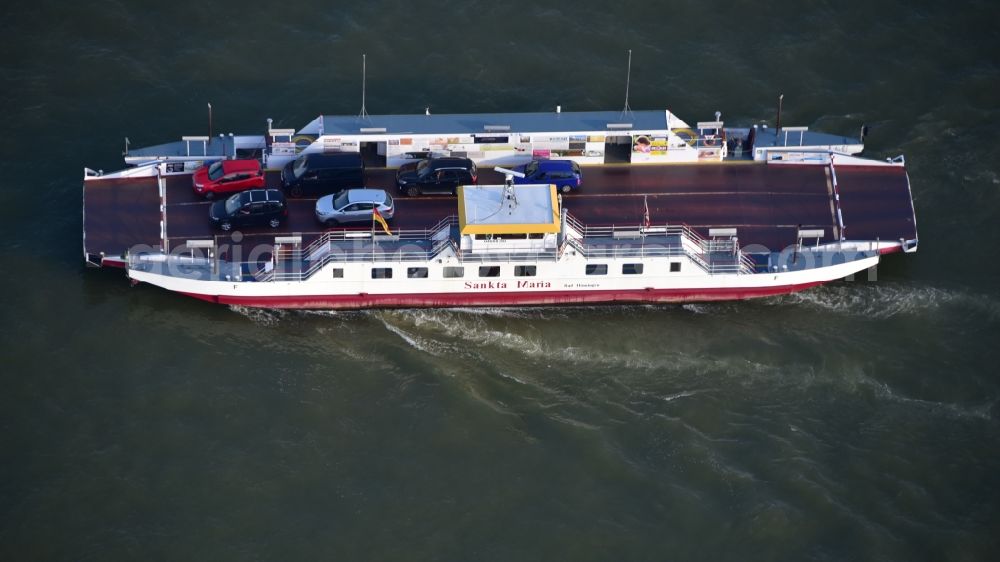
x,y
489,271
416,272
338,273
524,270
452,272
675,266
631,268
597,269
381,273
536,236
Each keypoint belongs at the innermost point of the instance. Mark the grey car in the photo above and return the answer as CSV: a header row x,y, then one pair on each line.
x,y
354,205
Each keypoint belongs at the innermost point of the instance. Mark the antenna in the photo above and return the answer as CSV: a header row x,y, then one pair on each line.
x,y
210,121
777,126
508,185
509,175
364,79
628,78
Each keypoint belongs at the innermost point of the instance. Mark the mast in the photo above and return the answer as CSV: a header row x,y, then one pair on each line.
x,y
628,79
364,79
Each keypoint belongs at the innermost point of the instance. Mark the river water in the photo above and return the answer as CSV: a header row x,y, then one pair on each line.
x,y
860,421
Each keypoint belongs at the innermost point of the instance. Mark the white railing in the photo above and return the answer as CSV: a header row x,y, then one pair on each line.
x,y
602,242
324,250
713,256
264,274
325,239
381,256
550,254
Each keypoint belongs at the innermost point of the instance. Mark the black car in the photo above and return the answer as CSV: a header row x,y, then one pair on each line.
x,y
436,175
321,174
256,207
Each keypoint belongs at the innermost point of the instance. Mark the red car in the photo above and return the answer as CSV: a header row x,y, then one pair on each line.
x,y
227,176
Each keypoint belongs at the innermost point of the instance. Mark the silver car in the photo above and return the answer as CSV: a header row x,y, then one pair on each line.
x,y
354,205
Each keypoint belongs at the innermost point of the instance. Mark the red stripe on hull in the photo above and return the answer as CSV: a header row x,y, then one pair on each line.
x,y
536,298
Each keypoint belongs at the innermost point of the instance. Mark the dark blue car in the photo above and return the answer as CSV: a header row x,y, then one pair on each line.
x,y
565,174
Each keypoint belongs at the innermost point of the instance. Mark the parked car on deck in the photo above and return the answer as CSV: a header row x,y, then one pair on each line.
x,y
354,205
256,207
436,175
564,174
319,174
227,176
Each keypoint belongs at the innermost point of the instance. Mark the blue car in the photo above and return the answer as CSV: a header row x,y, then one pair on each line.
x,y
565,174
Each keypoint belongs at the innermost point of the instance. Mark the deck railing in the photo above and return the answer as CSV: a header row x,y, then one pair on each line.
x,y
299,264
712,255
324,240
290,263
295,268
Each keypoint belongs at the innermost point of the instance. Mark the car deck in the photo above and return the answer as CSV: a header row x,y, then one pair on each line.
x,y
766,203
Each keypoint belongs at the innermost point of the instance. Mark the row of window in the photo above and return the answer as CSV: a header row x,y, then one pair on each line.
x,y
494,271
529,236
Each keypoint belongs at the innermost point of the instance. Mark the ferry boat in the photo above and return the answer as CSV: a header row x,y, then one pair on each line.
x,y
711,214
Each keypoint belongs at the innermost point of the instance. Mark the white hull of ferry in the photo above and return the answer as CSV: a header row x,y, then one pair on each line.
x,y
552,285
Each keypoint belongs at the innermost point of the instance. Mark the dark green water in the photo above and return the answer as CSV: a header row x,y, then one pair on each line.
x,y
855,422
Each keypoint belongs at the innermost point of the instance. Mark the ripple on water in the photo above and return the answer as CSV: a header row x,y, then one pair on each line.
x,y
889,300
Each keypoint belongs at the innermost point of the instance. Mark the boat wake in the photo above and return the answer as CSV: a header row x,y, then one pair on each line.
x,y
546,344
885,300
260,316
949,410
448,332
416,342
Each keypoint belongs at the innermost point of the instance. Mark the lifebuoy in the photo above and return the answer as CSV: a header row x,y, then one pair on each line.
x,y
303,141
686,135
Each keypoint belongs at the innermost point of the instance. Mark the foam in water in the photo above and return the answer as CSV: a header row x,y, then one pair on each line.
x,y
683,394
946,409
260,316
885,300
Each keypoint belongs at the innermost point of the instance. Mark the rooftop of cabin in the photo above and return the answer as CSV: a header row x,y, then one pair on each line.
x,y
495,123
526,209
